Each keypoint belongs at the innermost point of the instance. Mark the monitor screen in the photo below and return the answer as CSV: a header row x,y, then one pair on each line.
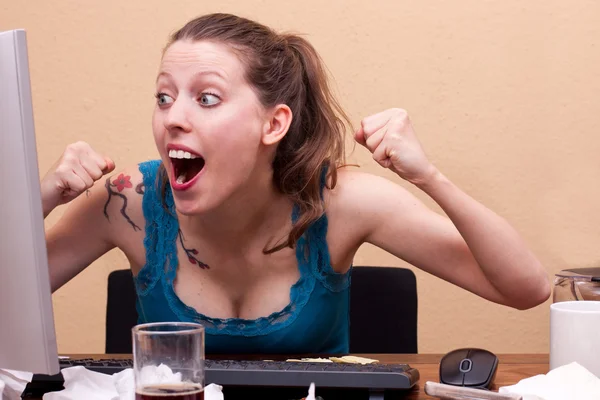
x,y
27,334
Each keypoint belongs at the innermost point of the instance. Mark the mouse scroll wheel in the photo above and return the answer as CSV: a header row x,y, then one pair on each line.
x,y
466,365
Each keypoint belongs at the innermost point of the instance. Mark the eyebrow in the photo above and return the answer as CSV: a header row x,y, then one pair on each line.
x,y
196,75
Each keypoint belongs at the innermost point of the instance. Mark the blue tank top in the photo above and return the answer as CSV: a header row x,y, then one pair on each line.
x,y
316,320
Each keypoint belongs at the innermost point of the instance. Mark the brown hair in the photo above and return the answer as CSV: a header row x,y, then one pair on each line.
x,y
285,69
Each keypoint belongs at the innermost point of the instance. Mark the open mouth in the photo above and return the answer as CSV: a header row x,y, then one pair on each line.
x,y
185,165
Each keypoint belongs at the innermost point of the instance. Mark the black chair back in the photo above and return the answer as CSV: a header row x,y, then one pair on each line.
x,y
121,313
383,310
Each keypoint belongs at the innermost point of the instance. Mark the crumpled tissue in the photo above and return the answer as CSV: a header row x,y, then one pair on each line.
x,y
12,383
81,383
571,381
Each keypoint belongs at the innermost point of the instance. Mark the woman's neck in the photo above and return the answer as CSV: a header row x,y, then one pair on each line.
x,y
256,212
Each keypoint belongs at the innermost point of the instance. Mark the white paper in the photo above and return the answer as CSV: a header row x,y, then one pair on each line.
x,y
158,375
571,381
123,382
213,392
81,383
12,383
311,392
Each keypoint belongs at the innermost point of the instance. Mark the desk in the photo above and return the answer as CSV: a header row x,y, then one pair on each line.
x,y
511,368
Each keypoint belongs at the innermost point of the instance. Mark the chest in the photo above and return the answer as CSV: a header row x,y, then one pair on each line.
x,y
234,285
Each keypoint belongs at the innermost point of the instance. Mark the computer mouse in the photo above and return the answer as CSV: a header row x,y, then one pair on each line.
x,y
470,367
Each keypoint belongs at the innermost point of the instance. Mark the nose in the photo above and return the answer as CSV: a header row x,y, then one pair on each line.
x,y
177,118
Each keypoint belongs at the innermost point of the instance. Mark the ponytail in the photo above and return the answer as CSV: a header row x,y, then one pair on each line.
x,y
314,144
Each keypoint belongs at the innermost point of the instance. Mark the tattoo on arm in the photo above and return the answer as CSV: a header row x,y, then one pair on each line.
x,y
191,254
140,188
120,183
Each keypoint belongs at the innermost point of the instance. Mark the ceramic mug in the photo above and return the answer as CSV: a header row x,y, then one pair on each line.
x,y
575,334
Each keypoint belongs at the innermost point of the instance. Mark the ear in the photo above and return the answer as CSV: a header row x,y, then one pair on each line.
x,y
277,125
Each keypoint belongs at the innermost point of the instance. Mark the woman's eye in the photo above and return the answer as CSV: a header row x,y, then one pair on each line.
x,y
207,99
163,99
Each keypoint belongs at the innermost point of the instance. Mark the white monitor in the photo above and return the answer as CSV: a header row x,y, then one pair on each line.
x,y
27,334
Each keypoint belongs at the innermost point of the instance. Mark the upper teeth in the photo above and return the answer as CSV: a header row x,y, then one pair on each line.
x,y
181,154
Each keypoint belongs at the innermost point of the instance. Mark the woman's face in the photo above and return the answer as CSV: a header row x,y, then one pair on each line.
x,y
207,124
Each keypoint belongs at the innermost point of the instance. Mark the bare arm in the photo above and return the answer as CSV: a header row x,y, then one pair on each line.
x,y
108,215
473,248
101,215
81,236
505,260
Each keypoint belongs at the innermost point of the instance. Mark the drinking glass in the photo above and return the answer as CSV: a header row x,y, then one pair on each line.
x,y
168,361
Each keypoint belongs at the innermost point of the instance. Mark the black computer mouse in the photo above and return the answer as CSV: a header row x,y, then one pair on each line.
x,y
475,368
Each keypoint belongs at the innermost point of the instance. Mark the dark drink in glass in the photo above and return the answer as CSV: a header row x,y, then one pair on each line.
x,y
170,392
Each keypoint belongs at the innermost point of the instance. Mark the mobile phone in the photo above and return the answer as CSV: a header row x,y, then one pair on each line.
x,y
450,392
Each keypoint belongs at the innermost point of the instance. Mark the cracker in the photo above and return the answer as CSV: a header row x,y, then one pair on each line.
x,y
353,360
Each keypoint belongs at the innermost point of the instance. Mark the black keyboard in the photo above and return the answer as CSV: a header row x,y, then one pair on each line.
x,y
284,373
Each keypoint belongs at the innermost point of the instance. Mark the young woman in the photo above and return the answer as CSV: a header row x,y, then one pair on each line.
x,y
249,221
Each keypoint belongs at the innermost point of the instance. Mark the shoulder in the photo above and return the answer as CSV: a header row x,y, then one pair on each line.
x,y
124,190
361,202
361,192
100,199
134,178
123,193
133,182
130,177
109,208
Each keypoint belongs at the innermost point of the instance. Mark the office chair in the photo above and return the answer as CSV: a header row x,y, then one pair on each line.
x,y
383,311
121,314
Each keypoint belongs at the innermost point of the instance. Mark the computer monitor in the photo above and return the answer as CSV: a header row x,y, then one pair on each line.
x,y
27,334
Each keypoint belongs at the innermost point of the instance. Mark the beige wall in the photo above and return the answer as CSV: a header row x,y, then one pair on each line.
x,y
504,96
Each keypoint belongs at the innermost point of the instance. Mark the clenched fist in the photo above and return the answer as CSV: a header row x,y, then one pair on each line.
x,y
390,137
75,172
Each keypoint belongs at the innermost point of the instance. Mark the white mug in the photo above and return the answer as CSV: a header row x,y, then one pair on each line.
x,y
575,334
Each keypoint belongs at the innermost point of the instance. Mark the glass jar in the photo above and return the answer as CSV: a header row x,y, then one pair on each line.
x,y
577,284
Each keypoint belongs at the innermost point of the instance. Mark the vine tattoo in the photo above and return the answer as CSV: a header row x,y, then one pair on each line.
x,y
121,183
140,188
191,254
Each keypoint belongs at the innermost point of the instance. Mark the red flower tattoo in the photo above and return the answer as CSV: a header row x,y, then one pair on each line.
x,y
122,182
